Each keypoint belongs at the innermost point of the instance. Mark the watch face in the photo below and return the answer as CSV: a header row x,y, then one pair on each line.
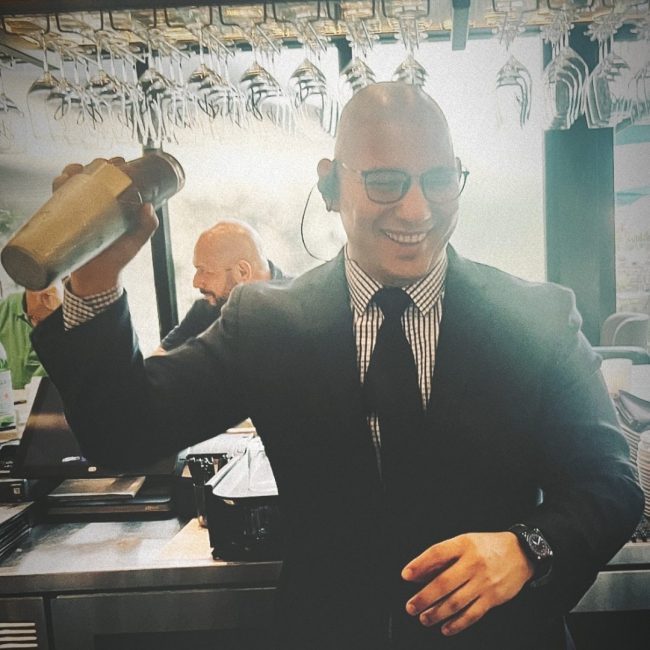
x,y
539,545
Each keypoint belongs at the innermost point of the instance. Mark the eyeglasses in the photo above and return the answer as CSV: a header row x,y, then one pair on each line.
x,y
439,184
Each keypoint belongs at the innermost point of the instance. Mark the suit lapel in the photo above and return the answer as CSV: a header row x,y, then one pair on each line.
x,y
465,312
328,317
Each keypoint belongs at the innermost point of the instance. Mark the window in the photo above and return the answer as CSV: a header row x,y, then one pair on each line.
x,y
632,185
263,175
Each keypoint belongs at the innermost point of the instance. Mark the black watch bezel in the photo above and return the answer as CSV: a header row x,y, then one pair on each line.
x,y
537,549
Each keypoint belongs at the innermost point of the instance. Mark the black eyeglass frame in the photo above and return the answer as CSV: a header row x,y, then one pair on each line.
x,y
463,173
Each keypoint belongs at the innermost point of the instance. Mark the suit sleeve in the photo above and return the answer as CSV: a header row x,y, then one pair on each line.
x,y
200,316
177,336
591,500
128,411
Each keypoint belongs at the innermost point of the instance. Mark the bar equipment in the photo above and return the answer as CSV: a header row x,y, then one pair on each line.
x,y
606,92
85,215
564,77
359,17
639,90
514,84
408,13
242,508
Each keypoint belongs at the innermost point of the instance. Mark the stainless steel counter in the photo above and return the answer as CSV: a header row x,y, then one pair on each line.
x,y
624,584
98,556
133,584
113,556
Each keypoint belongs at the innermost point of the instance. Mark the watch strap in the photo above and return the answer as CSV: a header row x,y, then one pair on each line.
x,y
537,549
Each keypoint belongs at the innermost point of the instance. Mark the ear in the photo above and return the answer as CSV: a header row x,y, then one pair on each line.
x,y
243,271
328,183
50,298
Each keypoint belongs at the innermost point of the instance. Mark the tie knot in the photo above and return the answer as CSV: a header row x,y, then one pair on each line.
x,y
392,301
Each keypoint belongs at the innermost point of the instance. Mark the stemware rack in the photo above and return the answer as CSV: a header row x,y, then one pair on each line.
x,y
437,19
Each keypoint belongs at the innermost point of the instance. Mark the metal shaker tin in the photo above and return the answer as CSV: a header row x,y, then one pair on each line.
x,y
85,215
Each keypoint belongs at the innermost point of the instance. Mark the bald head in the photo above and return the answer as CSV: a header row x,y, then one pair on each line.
x,y
230,240
225,255
395,182
382,110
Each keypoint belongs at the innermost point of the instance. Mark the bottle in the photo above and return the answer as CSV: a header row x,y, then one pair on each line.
x,y
7,408
87,214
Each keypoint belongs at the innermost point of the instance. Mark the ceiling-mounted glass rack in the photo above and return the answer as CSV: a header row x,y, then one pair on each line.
x,y
290,22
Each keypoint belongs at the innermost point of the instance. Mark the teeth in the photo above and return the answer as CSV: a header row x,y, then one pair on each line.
x,y
406,238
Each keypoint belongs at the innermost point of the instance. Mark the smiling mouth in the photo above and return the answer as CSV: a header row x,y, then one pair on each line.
x,y
406,238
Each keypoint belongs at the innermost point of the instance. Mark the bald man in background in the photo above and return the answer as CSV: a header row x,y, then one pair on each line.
x,y
227,254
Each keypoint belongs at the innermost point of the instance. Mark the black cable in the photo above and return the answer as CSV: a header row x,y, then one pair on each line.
x,y
302,227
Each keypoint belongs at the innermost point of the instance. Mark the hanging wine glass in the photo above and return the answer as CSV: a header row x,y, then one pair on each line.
x,y
308,84
122,94
63,97
564,77
84,117
359,18
173,98
76,111
38,92
639,87
514,83
225,99
101,89
201,78
606,101
265,97
152,87
11,121
408,14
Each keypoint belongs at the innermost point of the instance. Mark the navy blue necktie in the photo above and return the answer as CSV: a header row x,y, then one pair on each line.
x,y
392,390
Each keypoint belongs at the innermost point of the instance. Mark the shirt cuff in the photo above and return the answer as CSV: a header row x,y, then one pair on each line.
x,y
77,311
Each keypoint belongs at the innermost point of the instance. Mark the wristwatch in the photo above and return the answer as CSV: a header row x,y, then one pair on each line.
x,y
537,549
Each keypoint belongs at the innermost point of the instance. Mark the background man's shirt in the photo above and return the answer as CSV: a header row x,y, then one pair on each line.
x,y
15,329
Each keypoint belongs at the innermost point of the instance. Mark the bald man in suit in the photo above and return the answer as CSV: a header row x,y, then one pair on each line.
x,y
516,488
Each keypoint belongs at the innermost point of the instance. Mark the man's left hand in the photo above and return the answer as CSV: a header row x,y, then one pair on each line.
x,y
465,577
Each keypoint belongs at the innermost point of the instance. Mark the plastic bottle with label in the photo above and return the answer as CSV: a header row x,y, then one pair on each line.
x,y
7,407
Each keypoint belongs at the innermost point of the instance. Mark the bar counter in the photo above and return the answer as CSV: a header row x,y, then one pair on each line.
x,y
89,556
132,584
78,581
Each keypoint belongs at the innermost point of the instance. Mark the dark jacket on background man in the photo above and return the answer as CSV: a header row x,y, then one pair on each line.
x,y
200,316
518,409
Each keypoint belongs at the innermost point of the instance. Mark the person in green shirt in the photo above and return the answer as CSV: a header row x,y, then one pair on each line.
x,y
19,314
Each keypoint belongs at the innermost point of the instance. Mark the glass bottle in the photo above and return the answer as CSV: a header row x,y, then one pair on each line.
x,y
7,408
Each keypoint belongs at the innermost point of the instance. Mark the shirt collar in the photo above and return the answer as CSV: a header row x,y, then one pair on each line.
x,y
276,271
424,293
18,302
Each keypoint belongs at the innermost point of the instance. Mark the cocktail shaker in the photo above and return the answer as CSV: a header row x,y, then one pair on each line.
x,y
86,215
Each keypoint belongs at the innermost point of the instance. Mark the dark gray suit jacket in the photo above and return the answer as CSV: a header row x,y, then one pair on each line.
x,y
518,408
